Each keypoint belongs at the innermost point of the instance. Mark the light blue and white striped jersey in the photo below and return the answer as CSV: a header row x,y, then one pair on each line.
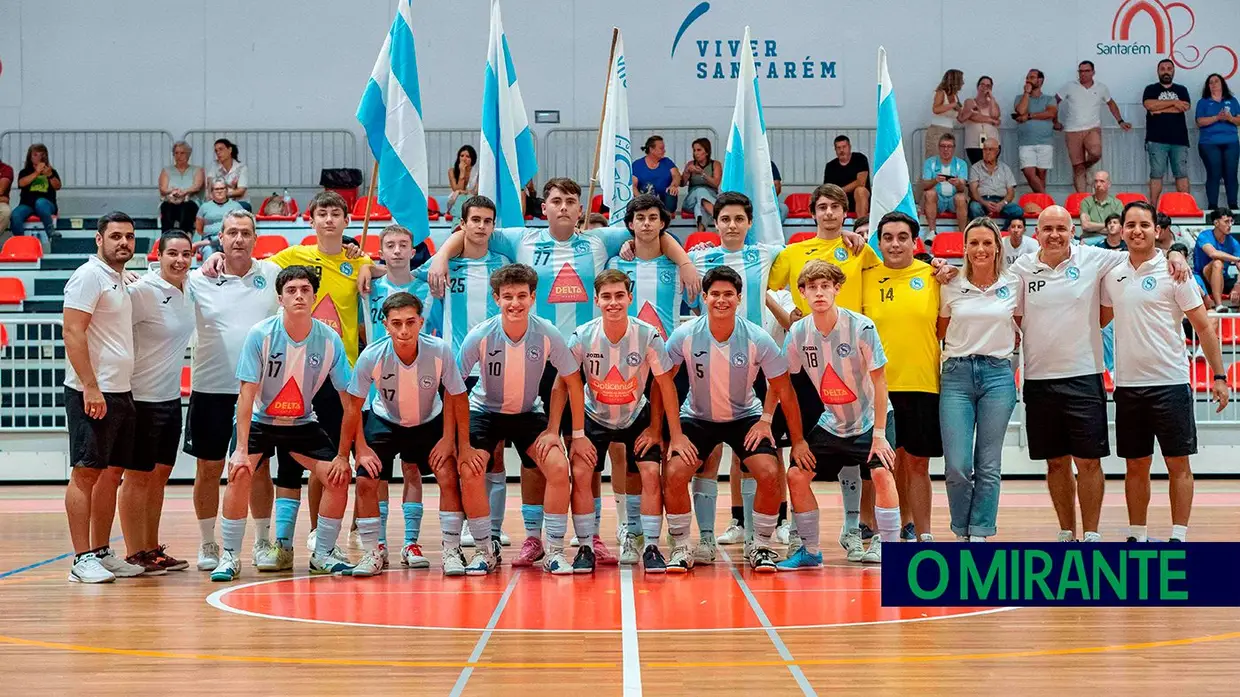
x,y
290,373
381,289
839,364
657,291
566,270
616,374
406,394
721,376
753,262
511,370
467,300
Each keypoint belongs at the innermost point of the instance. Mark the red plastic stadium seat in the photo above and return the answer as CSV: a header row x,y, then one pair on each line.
x,y
12,292
948,245
1017,376
4,336
153,254
310,240
371,247
185,381
290,216
946,215
377,210
596,203
22,249
432,208
919,247
268,245
801,237
1129,196
709,239
35,218
1202,378
1178,204
798,206
1074,204
1108,381
1233,376
1043,201
1229,330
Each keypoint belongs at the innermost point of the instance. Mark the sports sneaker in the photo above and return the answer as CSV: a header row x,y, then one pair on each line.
x,y
652,560
706,549
383,554
467,538
762,560
167,561
1092,537
852,544
272,557
556,563
87,569
312,539
575,542
335,563
584,563
355,539
119,567
531,552
734,535
454,562
504,539
873,555
602,554
866,532
150,567
794,541
783,533
208,556
370,564
926,537
908,532
800,559
681,560
1065,536
486,559
412,557
228,569
629,550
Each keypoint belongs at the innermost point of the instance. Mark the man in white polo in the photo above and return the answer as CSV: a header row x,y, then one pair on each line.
x,y
1153,399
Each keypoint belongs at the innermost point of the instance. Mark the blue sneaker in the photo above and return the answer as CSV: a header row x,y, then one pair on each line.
x,y
801,559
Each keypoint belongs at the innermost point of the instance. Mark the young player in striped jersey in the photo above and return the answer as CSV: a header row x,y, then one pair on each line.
x,y
722,354
515,350
398,378
840,351
286,359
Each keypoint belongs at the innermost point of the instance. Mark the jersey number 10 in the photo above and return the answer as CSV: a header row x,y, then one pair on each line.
x,y
493,368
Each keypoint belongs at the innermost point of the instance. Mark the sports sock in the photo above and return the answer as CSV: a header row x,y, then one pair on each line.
x,y
328,535
413,521
749,489
557,526
888,521
368,531
450,524
738,514
705,494
1179,532
679,525
206,527
621,512
479,527
1139,532
497,497
383,518
763,528
633,513
232,532
850,487
807,528
286,521
532,519
652,527
583,526
598,517
262,529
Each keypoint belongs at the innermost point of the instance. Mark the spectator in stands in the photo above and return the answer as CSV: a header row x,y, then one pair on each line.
x,y
1034,113
701,175
211,218
656,173
992,187
1097,208
1082,126
1166,237
1016,244
533,202
6,184
943,181
980,116
851,172
180,187
1216,260
39,182
463,178
1166,132
945,111
777,178
1218,115
595,221
1114,239
232,172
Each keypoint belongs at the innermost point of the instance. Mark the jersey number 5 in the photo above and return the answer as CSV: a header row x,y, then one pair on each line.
x,y
697,368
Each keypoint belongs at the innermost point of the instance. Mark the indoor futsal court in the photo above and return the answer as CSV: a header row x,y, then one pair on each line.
x,y
720,629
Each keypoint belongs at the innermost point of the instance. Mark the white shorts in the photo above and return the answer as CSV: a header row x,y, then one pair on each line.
x,y
1037,156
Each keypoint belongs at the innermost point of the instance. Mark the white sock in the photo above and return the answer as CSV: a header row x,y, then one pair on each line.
x,y
368,531
234,534
262,529
976,538
329,532
678,524
763,528
1179,532
1139,532
206,526
888,521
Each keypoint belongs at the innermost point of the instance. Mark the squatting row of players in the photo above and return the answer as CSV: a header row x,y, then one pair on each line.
x,y
573,353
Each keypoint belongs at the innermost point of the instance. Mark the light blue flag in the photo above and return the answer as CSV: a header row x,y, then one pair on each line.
x,y
391,114
506,160
747,164
892,190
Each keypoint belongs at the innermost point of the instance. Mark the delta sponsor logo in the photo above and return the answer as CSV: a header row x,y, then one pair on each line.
x,y
1135,17
720,58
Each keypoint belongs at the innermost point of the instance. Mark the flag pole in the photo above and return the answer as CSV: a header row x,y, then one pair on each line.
x,y
602,117
370,199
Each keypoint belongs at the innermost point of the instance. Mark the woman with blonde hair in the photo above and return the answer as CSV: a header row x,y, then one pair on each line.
x,y
979,316
945,111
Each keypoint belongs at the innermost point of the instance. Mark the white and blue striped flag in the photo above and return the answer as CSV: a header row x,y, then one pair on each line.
x,y
892,189
391,114
747,164
506,158
615,162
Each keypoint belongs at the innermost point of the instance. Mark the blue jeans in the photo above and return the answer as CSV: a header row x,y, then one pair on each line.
x,y
1220,160
1010,212
976,400
43,208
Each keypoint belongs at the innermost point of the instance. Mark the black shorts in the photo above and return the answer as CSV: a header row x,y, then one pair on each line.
x,y
1066,416
101,443
917,423
707,435
161,434
545,386
487,429
601,437
834,453
309,440
412,443
210,425
329,413
1164,412
470,381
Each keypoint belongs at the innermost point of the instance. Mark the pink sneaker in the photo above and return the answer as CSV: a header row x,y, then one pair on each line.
x,y
602,555
531,552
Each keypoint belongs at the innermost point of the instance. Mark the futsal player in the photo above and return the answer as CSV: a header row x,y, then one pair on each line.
x,y
284,359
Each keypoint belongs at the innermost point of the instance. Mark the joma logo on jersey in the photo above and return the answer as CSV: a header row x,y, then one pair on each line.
x,y
594,355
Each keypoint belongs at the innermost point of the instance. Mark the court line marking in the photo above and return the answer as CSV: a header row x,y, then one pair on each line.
x,y
780,647
476,654
45,562
630,656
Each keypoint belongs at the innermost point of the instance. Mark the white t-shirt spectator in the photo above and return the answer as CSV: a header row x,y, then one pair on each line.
x,y
1082,106
1149,308
225,308
95,288
237,177
163,324
992,183
982,320
1028,245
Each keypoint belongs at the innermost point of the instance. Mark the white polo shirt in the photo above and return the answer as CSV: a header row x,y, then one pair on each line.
x,y
1149,308
163,324
1060,329
982,320
225,308
1082,106
95,288
1028,245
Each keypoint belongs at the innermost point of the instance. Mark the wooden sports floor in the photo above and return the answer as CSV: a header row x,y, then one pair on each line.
x,y
720,630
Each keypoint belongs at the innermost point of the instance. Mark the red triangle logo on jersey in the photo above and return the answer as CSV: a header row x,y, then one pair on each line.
x,y
326,313
651,317
289,402
567,287
614,389
832,389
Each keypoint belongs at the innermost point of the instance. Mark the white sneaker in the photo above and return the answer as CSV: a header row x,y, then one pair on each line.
x,y
355,539
621,531
873,555
852,544
467,538
312,539
926,537
630,550
208,556
557,564
783,532
706,550
794,542
1066,536
272,557
483,563
370,564
575,542
1092,537
383,554
335,563
412,557
504,539
88,569
453,562
119,567
734,535
229,568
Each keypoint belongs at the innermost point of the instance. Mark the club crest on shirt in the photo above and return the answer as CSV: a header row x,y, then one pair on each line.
x,y
751,256
581,247
1149,283
739,360
840,254
1072,273
1004,292
427,382
916,284
633,359
533,353
313,360
843,350
346,268
260,282
665,276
